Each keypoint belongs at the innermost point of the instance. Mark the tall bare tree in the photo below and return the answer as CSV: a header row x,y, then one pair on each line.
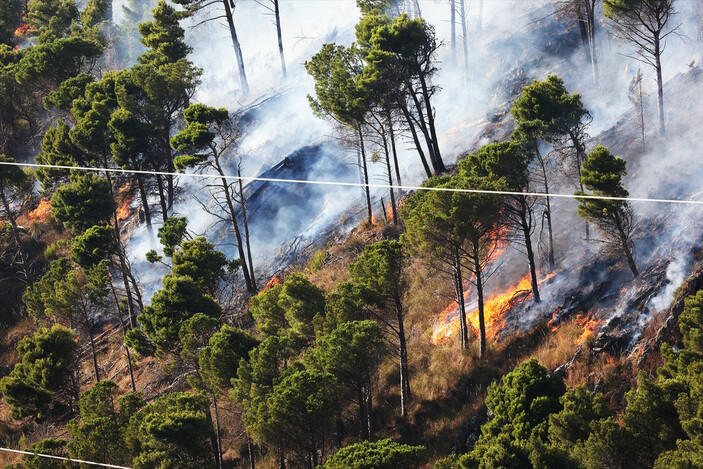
x,y
644,23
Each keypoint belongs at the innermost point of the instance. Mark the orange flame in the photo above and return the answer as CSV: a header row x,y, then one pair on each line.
x,y
494,310
124,209
389,212
42,211
271,283
23,30
589,327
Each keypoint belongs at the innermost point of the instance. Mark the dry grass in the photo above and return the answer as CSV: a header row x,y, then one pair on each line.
x,y
10,338
559,346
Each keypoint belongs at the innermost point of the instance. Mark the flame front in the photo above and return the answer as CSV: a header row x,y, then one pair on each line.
x,y
124,209
271,283
42,211
494,310
589,327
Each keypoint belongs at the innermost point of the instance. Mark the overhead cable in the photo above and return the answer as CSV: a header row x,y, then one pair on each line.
x,y
61,458
352,184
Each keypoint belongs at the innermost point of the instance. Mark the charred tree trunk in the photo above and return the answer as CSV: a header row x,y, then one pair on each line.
x,y
280,39
459,290
404,377
526,229
624,241
367,191
229,7
479,293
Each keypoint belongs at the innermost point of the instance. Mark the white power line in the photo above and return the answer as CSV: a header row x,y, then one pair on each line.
x,y
49,456
351,184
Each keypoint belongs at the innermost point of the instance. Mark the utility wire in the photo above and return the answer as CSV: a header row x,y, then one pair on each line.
x,y
352,184
93,463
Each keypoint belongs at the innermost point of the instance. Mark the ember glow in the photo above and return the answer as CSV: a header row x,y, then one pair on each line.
x,y
42,211
495,308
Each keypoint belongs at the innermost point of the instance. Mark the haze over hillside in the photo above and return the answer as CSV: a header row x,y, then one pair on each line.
x,y
425,291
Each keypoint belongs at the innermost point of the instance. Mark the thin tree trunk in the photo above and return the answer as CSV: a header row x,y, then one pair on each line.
x,y
479,293
547,213
452,19
218,442
145,204
229,6
390,180
580,156
626,248
431,123
250,450
465,43
162,197
404,377
591,22
459,287
246,228
416,140
96,370
237,233
121,256
425,131
363,427
367,191
369,407
281,459
528,246
124,336
583,26
480,16
395,154
660,84
15,235
641,106
280,40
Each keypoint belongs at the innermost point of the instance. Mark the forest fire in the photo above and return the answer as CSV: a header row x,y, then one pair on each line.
x,y
124,209
271,283
42,211
495,308
589,327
